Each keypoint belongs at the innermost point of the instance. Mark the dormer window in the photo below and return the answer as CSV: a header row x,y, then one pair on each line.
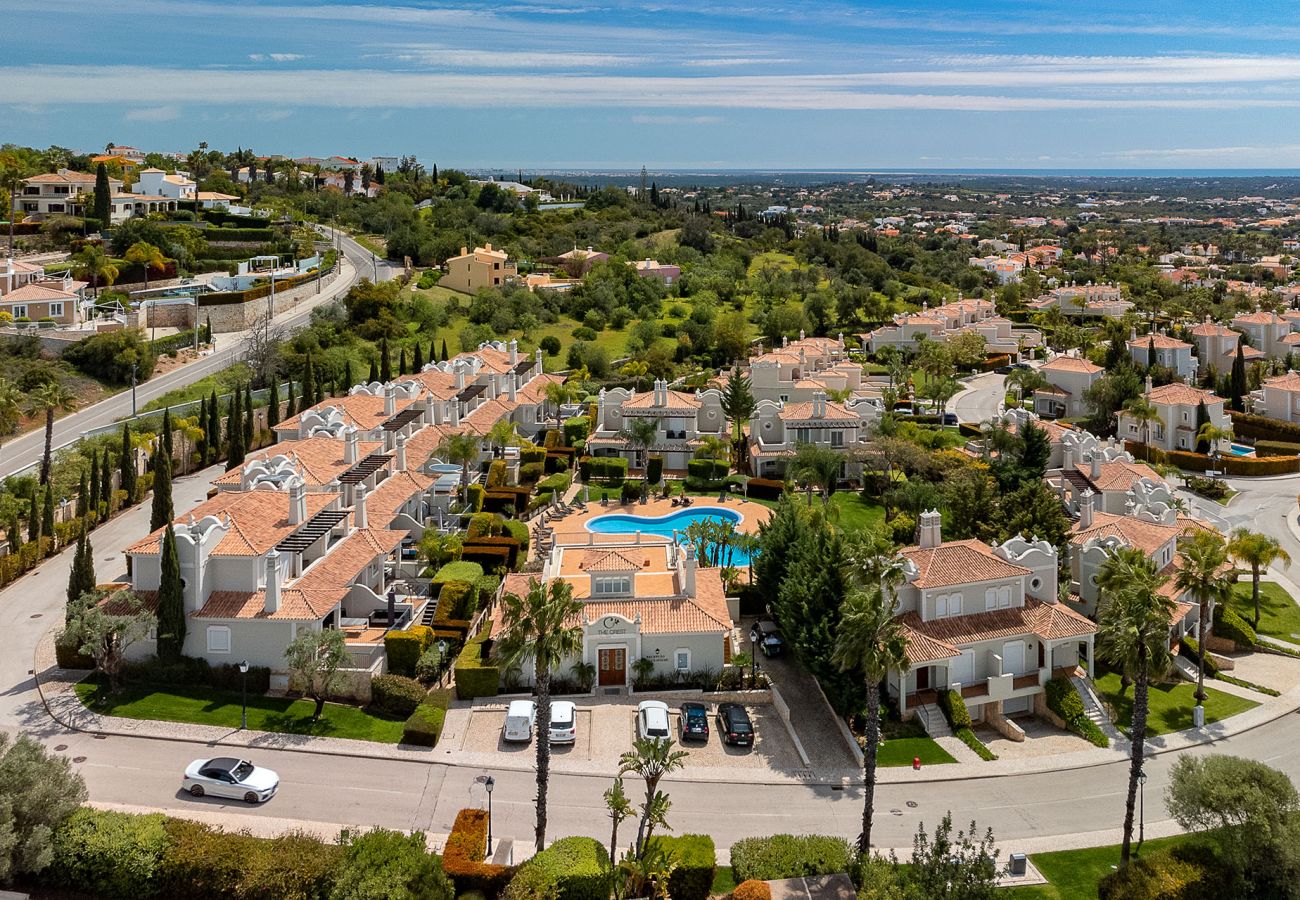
x,y
611,585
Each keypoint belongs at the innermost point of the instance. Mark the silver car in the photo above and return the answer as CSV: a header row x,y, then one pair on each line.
x,y
226,776
652,721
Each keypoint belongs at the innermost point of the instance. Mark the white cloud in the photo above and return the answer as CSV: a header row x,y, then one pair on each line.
x,y
153,114
434,55
273,115
677,120
275,57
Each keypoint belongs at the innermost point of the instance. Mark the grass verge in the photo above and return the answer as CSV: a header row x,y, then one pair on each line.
x,y
1074,874
1279,616
1171,704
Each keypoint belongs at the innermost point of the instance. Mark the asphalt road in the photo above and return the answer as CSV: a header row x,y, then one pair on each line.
x,y
1031,812
26,449
981,400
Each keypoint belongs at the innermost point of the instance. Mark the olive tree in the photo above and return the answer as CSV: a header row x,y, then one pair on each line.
x,y
38,791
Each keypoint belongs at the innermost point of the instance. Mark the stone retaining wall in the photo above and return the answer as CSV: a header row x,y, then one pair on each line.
x,y
228,317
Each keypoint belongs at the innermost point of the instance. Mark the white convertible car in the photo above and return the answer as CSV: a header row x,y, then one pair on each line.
x,y
226,776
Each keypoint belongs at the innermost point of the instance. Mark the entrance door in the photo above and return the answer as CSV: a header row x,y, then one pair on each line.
x,y
612,669
1013,658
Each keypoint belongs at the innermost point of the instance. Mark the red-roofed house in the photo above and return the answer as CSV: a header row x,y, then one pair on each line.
x,y
1163,350
777,429
1177,406
1068,378
682,420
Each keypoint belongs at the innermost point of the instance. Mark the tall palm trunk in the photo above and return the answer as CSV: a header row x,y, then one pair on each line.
x,y
1200,654
543,679
1138,739
49,445
869,765
1254,592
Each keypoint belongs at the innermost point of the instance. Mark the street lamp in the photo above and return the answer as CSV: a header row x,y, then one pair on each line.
x,y
489,783
1142,807
442,660
753,655
243,678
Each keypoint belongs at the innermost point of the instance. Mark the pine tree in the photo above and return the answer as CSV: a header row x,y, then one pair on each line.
x,y
401,362
214,429
127,463
47,516
33,515
103,207
385,363
445,357
81,577
1238,382
308,385
83,498
374,372
1152,359
162,512
273,403
167,430
778,537
171,602
290,405
249,429
417,364
234,433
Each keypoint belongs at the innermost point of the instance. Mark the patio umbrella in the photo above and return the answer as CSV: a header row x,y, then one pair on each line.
x,y
392,607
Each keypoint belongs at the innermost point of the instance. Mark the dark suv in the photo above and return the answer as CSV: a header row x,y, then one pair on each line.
x,y
734,725
769,637
694,722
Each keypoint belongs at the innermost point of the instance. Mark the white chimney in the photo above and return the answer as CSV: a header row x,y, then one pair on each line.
x,y
514,352
401,453
931,529
492,387
350,446
785,342
1095,472
297,503
1149,385
538,357
430,409
359,508
459,370
272,602
801,334
390,400
688,571
1067,457
455,413
1085,508
512,382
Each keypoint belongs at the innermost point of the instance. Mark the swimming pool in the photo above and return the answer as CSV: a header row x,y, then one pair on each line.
x,y
622,523
1242,450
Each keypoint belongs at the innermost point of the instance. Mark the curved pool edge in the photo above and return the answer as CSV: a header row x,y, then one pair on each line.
x,y
736,516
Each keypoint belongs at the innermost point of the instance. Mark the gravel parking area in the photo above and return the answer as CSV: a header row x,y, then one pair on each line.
x,y
1041,739
1281,673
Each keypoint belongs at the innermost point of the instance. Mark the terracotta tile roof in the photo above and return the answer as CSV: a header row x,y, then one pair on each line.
x,y
678,401
1048,621
296,605
1214,329
1072,364
1146,536
319,458
65,177
1116,475
37,293
1162,342
1288,382
803,411
534,392
363,411
424,444
921,648
1259,318
609,561
490,358
385,501
1183,394
1052,390
959,562
258,521
348,558
441,384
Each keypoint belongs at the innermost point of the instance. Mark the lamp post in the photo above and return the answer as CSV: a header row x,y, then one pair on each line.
x,y
489,783
1142,807
753,655
442,660
243,678
133,369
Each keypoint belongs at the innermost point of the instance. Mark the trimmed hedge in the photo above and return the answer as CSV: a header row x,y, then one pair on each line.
x,y
475,546
395,695
557,483
1189,648
695,861
1229,624
533,454
572,868
1262,427
511,499
109,854
403,649
609,469
707,469
576,430
1064,700
496,476
456,600
958,716
477,494
462,856
483,524
1276,448
519,531
490,557
195,670
1247,466
765,488
458,571
789,856
424,726
530,473
654,470
476,677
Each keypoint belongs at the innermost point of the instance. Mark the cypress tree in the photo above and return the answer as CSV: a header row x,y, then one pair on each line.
x,y
214,429
308,386
348,381
234,433
1202,418
290,405
171,602
103,197
273,403
203,426
385,364
374,372
249,428
93,500
128,465
417,364
433,351
401,362
81,577
83,498
167,430
1238,383
445,357
14,534
33,515
47,516
161,513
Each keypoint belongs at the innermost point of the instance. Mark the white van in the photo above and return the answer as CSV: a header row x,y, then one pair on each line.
x,y
520,716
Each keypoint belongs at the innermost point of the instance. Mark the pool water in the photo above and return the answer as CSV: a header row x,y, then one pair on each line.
x,y
622,523
1242,450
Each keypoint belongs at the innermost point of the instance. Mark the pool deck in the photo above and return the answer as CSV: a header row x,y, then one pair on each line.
x,y
572,529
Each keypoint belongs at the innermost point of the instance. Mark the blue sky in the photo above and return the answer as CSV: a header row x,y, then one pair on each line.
x,y
674,83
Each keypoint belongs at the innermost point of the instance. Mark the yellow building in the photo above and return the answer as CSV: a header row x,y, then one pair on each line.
x,y
484,268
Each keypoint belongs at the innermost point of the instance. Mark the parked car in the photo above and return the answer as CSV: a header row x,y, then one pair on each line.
x,y
226,776
1021,365
564,722
734,725
950,418
520,717
652,720
769,637
694,722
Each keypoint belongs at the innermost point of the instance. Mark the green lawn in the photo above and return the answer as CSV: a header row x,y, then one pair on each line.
x,y
900,752
1171,704
1279,616
855,512
724,881
1073,874
186,703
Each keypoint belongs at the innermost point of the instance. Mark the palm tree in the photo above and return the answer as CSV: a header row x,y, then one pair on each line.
x,y
1026,381
558,393
147,255
1202,574
11,400
1213,435
711,447
641,435
541,628
620,808
871,641
814,464
941,391
1143,411
93,261
502,434
652,759
462,449
1133,630
1251,548
47,399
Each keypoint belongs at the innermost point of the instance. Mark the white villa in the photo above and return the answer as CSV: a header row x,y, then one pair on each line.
x,y
1216,346
1279,398
777,429
682,420
1163,350
1085,300
798,369
156,182
1068,378
943,322
1176,405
